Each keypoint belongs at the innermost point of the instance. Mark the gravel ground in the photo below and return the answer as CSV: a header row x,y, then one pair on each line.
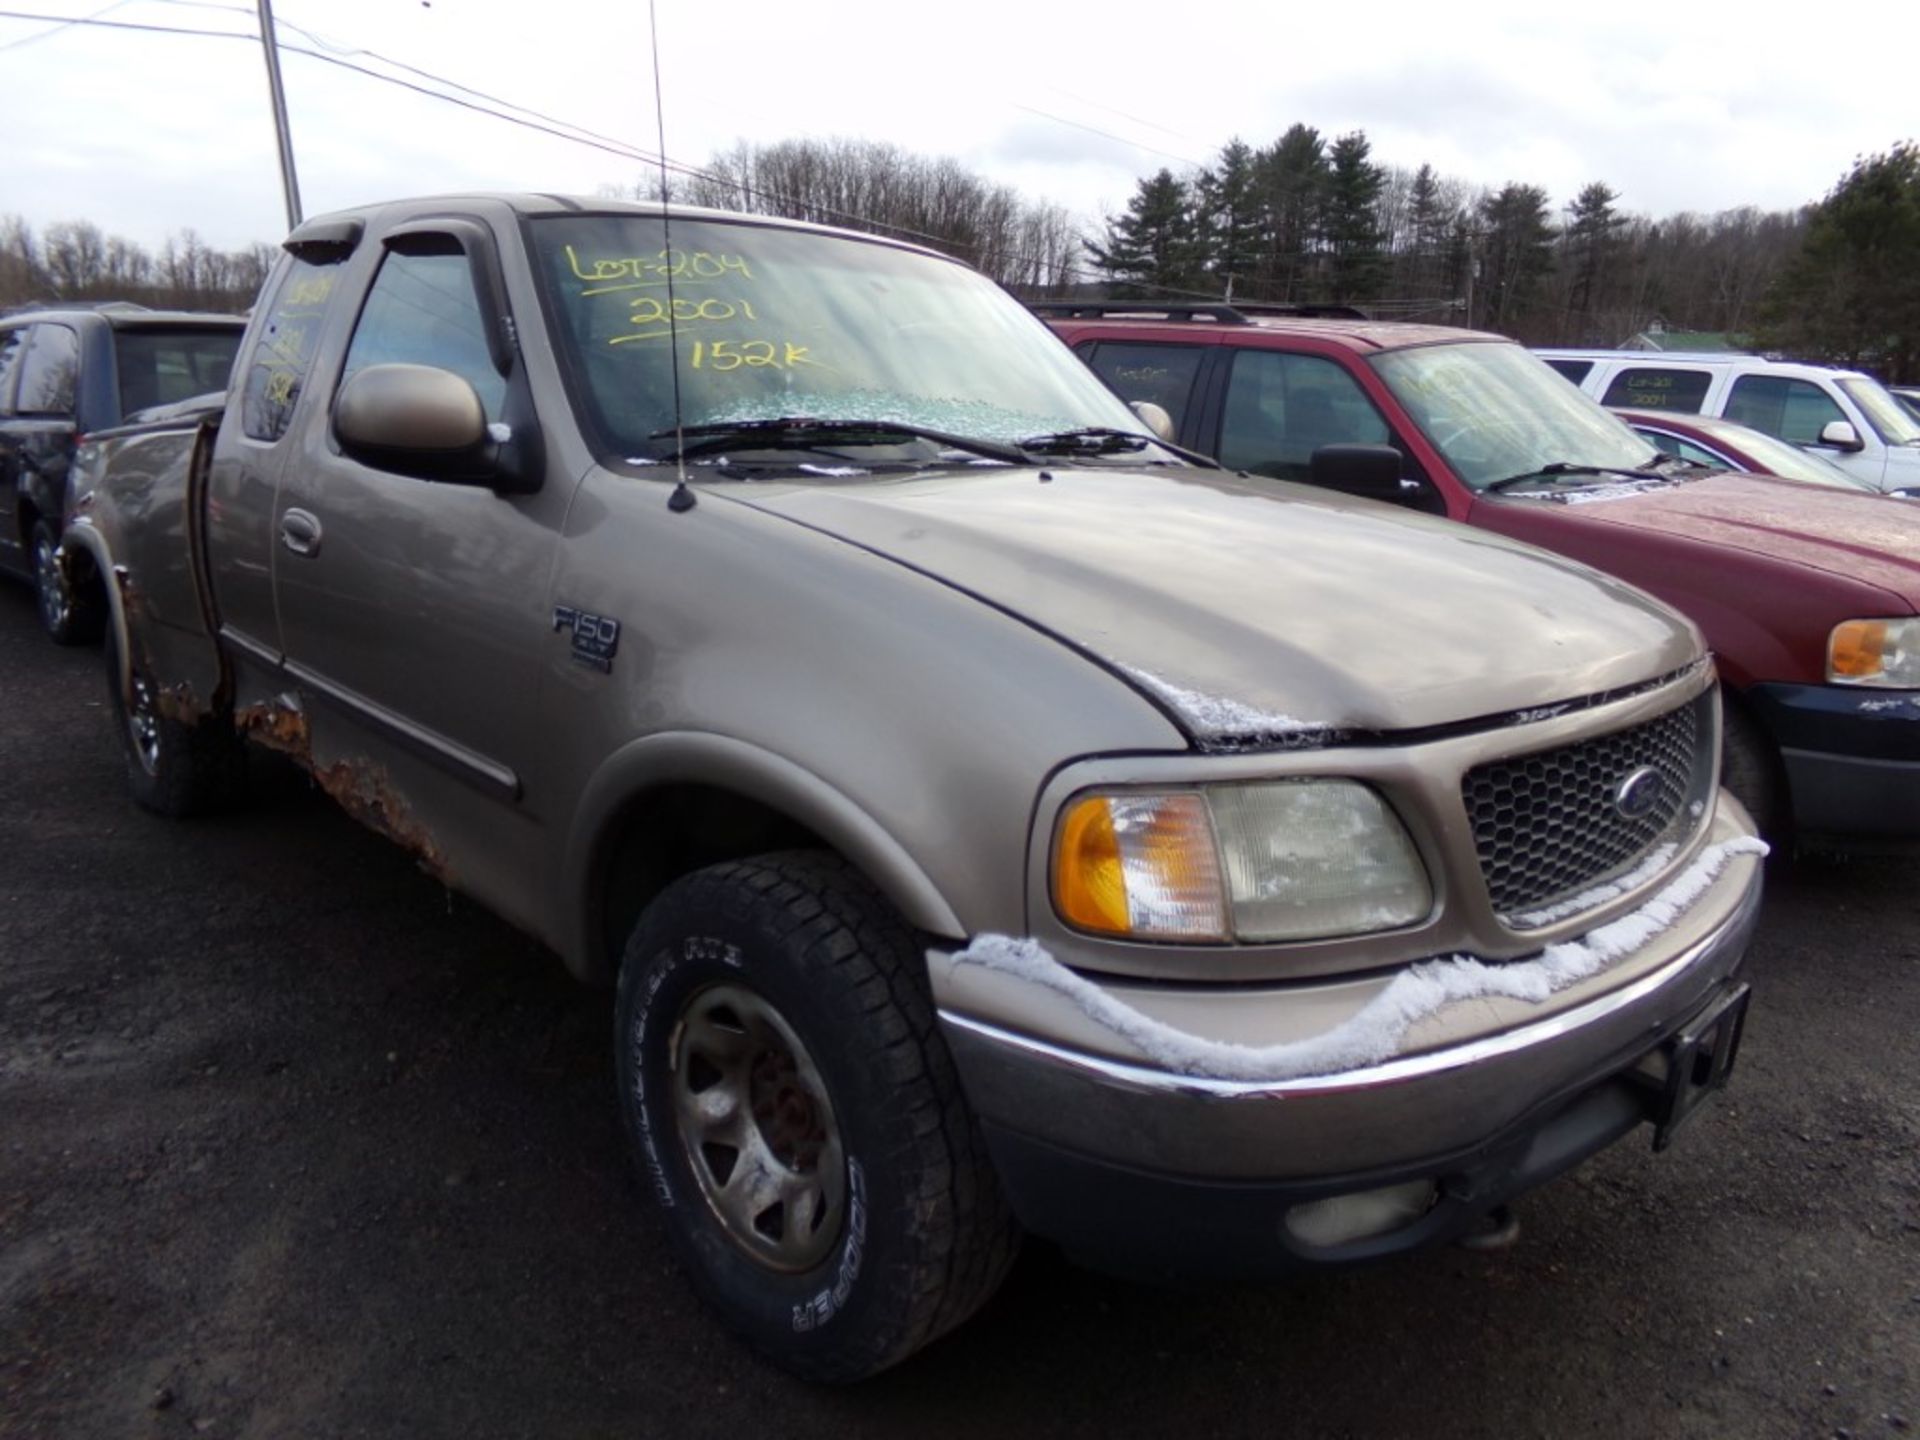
x,y
293,1143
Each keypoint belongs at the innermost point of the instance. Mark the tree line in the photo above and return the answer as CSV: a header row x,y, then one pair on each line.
x,y
1311,219
878,187
74,261
1308,219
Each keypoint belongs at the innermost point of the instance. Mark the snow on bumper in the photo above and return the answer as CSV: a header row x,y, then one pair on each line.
x,y
1364,1092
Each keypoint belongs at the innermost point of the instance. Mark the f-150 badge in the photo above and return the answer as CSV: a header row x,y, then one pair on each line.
x,y
595,637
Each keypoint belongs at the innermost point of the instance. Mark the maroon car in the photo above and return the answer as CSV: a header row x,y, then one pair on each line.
x,y
1726,445
1810,597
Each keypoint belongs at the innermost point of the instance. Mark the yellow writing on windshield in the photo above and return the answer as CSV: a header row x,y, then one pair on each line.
x,y
647,270
724,355
654,319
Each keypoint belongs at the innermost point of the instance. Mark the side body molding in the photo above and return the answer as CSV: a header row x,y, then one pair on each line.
x,y
672,758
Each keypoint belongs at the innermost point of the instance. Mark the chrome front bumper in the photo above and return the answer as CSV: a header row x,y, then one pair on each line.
x,y
1390,1116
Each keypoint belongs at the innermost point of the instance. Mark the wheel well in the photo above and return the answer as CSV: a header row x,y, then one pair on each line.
x,y
83,570
671,832
1773,805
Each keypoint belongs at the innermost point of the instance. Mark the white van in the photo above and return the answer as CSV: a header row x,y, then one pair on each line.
x,y
1845,415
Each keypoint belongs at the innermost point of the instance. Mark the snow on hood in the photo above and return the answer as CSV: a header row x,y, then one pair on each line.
x,y
1373,1033
1260,613
1223,724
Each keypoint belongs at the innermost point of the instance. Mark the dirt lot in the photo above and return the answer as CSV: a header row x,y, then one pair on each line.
x,y
294,1144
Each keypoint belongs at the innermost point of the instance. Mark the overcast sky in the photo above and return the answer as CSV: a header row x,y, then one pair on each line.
x,y
1703,105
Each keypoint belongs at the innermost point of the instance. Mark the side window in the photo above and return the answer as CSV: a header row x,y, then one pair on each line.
x,y
1282,408
1160,373
1574,370
423,310
1794,410
1683,449
1643,389
13,348
277,368
50,376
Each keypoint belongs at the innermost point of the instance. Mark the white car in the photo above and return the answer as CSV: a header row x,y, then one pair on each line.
x,y
1846,416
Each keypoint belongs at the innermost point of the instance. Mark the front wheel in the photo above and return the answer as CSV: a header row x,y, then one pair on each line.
x,y
798,1120
1750,769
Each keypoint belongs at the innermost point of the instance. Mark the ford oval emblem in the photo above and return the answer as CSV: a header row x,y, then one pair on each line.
x,y
1635,796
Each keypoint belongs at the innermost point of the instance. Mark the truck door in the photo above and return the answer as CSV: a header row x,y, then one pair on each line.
x,y
13,349
255,437
41,440
414,613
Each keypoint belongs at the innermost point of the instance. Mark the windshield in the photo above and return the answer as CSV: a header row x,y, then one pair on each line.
x,y
1495,411
774,324
1893,420
1790,462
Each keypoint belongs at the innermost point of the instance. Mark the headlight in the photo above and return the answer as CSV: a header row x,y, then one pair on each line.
x,y
1875,652
1287,860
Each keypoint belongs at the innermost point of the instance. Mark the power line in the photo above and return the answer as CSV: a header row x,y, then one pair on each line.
x,y
56,29
547,125
64,21
1109,135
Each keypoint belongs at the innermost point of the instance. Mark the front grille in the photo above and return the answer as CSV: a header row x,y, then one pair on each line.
x,y
1547,825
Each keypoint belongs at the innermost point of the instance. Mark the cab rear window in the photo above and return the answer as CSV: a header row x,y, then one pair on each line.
x,y
160,367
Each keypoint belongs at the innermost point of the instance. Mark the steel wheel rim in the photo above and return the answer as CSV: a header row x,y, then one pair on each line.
x,y
143,723
52,585
758,1128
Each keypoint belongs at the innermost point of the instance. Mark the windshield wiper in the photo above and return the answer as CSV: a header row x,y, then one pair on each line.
x,y
1088,440
1566,468
808,432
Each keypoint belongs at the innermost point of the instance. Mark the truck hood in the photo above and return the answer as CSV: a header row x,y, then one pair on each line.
x,y
1870,538
1260,614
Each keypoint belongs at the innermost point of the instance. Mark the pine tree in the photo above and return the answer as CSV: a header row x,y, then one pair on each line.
x,y
1516,255
1293,184
1155,245
1229,213
1428,224
1591,223
1852,293
1351,223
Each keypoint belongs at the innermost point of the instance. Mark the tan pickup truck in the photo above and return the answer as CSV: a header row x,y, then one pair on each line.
x,y
993,819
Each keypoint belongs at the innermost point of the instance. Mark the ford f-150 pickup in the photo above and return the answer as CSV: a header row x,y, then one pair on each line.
x,y
992,820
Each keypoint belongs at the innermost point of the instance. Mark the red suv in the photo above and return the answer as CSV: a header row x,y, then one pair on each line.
x,y
1809,597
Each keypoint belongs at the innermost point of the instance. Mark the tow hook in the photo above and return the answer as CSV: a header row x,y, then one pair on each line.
x,y
1498,1229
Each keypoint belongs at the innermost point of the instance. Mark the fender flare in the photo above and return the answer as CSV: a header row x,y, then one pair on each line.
x,y
82,536
671,758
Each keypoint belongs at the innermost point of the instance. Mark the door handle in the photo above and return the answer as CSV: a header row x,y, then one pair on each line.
x,y
300,532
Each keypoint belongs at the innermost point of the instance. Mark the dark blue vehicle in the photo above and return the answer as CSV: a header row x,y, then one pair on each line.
x,y
64,373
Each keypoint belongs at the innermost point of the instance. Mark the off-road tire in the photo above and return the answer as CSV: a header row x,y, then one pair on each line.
x,y
70,614
173,768
924,1237
1750,769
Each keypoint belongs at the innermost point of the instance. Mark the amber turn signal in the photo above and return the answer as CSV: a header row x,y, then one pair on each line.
x,y
1857,649
1142,866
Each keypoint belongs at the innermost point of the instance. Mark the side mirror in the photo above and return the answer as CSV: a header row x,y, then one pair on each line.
x,y
1841,435
422,421
1156,416
1371,472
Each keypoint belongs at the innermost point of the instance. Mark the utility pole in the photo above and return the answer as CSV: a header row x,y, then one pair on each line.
x,y
289,180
